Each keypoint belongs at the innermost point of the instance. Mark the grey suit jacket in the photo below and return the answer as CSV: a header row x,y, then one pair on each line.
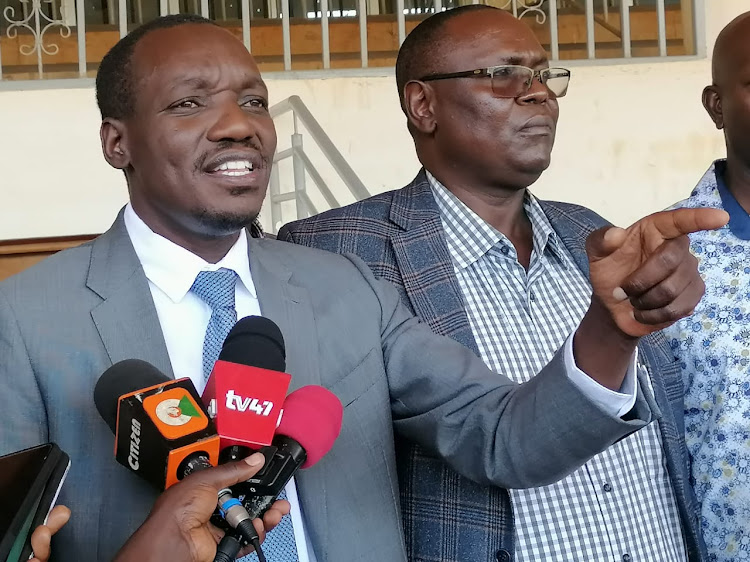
x,y
66,320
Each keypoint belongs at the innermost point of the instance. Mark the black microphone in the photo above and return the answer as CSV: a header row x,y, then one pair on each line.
x,y
247,387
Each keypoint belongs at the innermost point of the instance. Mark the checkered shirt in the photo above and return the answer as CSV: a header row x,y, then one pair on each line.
x,y
620,506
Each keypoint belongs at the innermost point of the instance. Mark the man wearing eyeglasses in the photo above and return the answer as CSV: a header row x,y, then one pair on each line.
x,y
477,257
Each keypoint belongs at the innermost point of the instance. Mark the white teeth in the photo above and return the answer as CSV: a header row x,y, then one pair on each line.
x,y
243,165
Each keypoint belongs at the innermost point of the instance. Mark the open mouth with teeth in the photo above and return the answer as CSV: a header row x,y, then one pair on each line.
x,y
234,168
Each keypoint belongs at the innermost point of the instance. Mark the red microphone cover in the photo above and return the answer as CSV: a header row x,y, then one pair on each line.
x,y
312,417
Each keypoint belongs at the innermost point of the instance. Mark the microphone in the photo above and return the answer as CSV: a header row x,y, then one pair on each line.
x,y
247,386
310,424
162,432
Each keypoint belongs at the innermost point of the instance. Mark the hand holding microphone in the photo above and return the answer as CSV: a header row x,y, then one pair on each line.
x,y
178,526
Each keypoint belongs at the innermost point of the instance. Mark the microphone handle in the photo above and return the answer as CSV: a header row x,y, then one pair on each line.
x,y
257,505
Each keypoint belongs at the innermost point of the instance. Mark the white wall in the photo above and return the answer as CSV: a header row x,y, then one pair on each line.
x,y
632,139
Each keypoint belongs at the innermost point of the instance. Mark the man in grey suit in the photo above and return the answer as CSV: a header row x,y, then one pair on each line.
x,y
185,115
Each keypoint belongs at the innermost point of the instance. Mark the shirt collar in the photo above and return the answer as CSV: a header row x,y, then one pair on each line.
x,y
739,220
469,237
172,268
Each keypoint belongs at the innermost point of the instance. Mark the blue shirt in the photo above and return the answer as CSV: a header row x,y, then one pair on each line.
x,y
713,346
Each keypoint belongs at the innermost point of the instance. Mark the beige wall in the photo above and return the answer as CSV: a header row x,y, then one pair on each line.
x,y
632,139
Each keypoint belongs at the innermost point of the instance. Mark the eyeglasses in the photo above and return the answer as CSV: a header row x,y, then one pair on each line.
x,y
512,80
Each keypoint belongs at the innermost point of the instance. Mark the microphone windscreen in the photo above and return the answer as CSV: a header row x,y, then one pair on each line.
x,y
255,341
123,378
312,417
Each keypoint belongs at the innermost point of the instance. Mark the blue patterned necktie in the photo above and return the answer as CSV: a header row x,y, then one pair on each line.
x,y
216,289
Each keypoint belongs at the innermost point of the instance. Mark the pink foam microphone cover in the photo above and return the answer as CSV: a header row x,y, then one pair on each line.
x,y
312,417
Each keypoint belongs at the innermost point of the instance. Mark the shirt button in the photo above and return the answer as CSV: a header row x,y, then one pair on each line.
x,y
502,555
532,296
505,250
626,557
608,488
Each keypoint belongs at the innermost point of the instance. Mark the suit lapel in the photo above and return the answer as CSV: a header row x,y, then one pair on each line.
x,y
425,263
126,319
289,306
572,233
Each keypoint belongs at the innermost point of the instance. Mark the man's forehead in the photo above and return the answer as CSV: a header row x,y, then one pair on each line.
x,y
198,58
732,49
494,36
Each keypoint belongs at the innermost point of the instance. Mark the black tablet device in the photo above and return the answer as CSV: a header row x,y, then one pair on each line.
x,y
30,481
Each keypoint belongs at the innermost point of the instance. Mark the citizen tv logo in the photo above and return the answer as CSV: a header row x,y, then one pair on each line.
x,y
240,404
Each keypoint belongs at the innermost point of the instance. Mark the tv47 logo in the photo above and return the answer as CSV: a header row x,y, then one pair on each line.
x,y
241,404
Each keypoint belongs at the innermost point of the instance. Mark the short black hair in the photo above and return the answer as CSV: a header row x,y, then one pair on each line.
x,y
114,80
421,48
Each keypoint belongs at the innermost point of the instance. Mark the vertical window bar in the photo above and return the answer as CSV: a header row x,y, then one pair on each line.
x,y
662,28
697,25
163,7
139,11
324,34
590,39
625,27
122,15
245,24
554,39
363,31
688,23
204,8
286,34
439,5
401,20
81,33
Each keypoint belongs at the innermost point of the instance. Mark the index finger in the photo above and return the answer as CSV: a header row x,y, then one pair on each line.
x,y
675,223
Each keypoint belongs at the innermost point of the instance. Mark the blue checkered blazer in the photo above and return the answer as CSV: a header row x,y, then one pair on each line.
x,y
399,234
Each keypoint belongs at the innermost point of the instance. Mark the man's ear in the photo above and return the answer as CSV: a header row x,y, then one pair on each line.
x,y
114,145
419,106
712,103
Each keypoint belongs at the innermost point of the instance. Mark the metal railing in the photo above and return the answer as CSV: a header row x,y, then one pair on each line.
x,y
303,167
67,38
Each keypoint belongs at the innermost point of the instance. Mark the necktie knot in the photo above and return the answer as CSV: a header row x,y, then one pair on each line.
x,y
216,288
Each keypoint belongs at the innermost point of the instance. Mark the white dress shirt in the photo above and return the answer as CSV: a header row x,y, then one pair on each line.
x,y
171,271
